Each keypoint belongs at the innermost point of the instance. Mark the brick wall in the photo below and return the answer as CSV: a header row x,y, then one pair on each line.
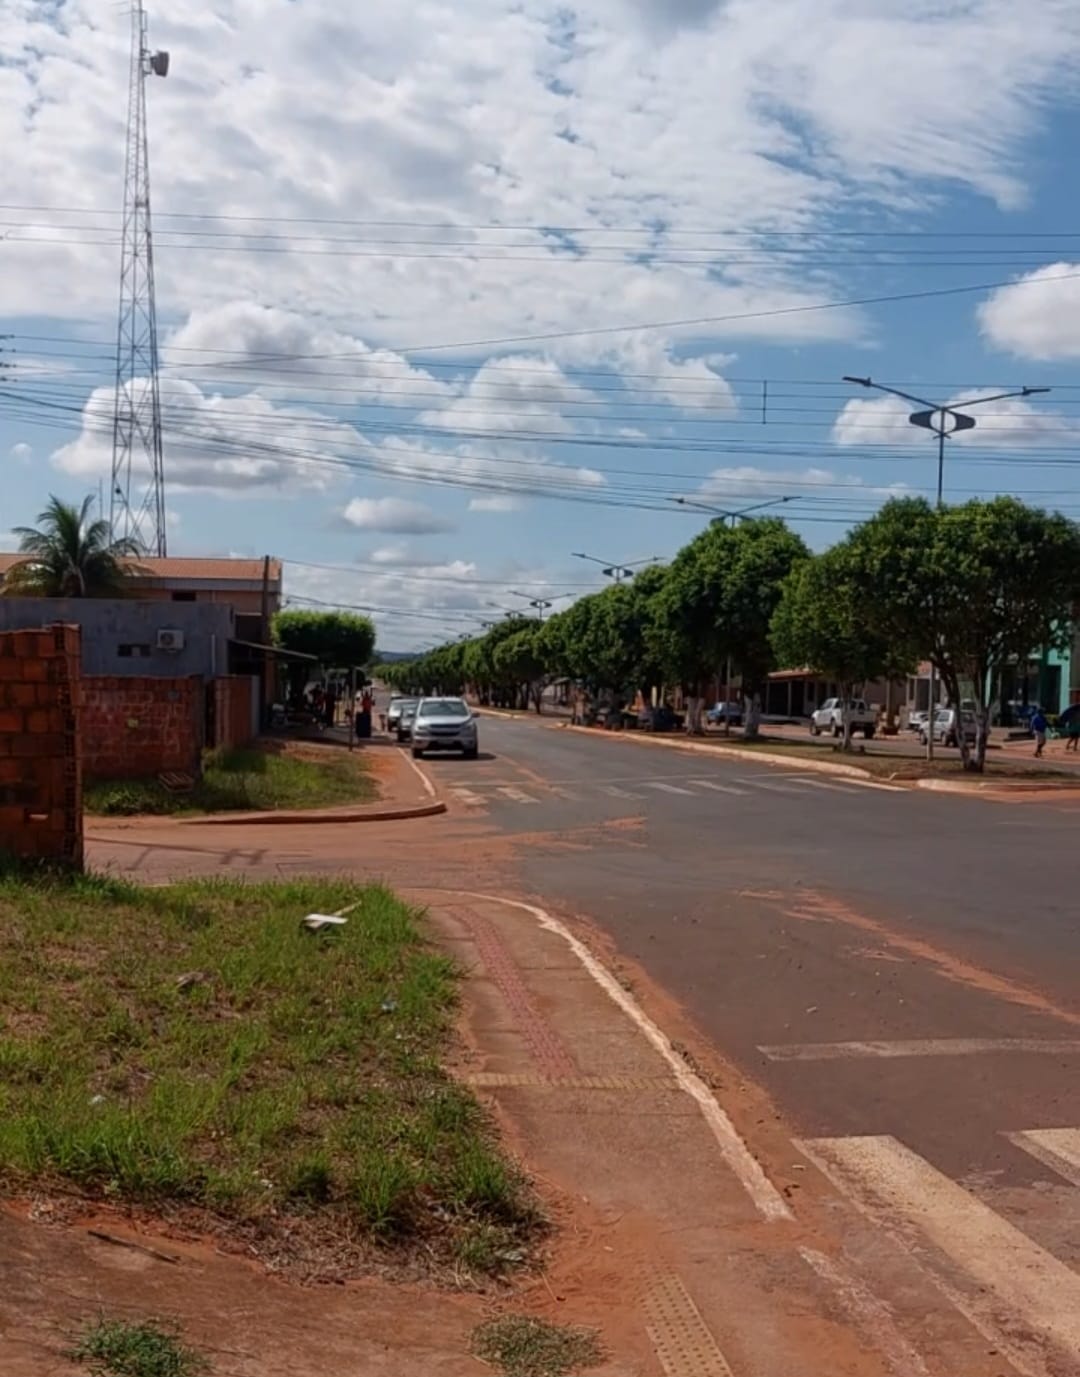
x,y
134,728
40,778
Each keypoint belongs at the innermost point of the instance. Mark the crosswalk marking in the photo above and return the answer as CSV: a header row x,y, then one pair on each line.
x,y
773,788
717,788
1019,1296
814,783
480,792
1058,1148
921,1047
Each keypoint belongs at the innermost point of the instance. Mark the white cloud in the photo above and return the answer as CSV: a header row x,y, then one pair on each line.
x,y
391,554
395,516
1036,317
498,503
747,482
1013,422
21,452
287,353
625,115
218,443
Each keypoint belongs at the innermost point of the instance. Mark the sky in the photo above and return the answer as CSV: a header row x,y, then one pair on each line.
x,y
452,292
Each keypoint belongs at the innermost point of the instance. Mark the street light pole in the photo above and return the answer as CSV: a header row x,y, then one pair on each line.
x,y
942,421
615,571
734,516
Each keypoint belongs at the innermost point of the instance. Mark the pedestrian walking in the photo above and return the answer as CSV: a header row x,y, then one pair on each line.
x,y
1072,729
1038,730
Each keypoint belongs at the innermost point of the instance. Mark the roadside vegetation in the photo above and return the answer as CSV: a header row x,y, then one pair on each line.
x,y
267,777
194,1051
522,1346
976,589
125,1348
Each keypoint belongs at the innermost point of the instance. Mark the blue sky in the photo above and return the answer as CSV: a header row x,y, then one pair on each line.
x,y
421,273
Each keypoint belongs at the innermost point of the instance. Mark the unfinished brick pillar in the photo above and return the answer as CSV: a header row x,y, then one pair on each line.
x,y
40,765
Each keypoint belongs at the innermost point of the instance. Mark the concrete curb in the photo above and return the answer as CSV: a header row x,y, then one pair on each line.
x,y
793,762
312,816
997,786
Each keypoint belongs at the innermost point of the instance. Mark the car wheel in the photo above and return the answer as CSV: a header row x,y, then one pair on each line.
x,y
836,729
472,752
868,732
815,730
417,753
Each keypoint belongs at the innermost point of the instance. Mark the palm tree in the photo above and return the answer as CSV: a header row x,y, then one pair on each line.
x,y
70,556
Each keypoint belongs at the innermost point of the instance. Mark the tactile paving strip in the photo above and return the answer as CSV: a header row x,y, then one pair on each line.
x,y
536,1081
678,1333
547,1048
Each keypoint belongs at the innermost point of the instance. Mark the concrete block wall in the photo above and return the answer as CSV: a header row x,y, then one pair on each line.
x,y
40,776
235,707
134,728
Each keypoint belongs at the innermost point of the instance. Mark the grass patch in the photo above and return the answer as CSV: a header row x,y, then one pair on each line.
x,y
253,778
119,1348
519,1346
192,1047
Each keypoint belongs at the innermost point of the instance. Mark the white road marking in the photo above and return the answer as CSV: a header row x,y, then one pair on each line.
x,y
667,788
871,1315
920,1047
1019,1296
717,788
773,788
424,780
815,783
467,796
768,1200
517,795
616,792
1058,1148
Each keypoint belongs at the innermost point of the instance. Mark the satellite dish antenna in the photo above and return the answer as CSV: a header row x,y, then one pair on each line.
x,y
159,64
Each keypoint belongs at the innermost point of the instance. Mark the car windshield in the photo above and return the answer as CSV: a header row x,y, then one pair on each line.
x,y
443,707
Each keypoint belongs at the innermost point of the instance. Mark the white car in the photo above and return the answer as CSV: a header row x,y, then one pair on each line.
x,y
830,718
444,724
946,728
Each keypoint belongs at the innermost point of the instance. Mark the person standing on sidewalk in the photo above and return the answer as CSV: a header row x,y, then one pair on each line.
x,y
1038,730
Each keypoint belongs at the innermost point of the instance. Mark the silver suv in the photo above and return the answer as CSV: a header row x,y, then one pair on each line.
x,y
444,724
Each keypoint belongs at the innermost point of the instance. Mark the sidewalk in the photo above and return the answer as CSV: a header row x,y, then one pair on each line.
x,y
675,1242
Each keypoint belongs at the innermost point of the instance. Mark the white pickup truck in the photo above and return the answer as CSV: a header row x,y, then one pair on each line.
x,y
830,718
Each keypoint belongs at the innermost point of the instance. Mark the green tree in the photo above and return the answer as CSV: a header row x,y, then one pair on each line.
x,y
973,588
824,622
718,600
70,556
338,640
519,660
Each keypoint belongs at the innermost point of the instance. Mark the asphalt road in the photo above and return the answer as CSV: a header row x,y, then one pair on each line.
x,y
896,968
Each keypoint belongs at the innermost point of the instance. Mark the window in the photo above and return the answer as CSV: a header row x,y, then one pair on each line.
x,y
133,650
183,597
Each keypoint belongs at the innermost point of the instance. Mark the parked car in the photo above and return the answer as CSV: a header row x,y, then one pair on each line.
x,y
948,724
830,718
394,709
405,718
720,713
444,724
918,719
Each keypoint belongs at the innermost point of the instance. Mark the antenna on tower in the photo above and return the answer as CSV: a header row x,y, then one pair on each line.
x,y
138,513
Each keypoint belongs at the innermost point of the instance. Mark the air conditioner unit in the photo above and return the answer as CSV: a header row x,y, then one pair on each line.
x,y
170,639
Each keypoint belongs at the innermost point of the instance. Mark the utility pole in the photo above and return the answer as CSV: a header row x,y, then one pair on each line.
x,y
942,421
138,515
